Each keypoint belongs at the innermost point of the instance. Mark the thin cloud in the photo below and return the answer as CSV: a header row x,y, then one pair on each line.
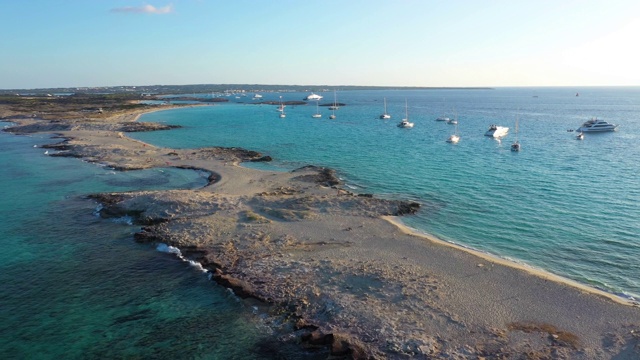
x,y
145,9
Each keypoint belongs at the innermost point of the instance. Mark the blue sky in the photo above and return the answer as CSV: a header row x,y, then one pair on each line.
x,y
68,43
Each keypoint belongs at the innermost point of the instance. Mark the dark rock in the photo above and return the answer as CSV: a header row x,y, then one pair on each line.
x,y
38,127
406,207
324,176
240,287
216,99
317,338
66,154
265,158
61,146
144,126
146,236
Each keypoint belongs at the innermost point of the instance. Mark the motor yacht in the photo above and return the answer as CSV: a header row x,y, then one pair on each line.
x,y
497,131
595,125
313,96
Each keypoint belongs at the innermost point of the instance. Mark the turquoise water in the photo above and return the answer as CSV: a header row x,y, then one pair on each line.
x,y
566,206
74,286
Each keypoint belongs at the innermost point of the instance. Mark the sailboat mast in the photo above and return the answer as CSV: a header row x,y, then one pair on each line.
x,y
406,109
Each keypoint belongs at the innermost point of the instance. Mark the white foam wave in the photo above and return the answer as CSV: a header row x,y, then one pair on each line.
x,y
96,211
169,249
174,250
197,265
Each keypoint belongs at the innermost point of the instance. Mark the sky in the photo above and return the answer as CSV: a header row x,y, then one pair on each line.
x,y
431,43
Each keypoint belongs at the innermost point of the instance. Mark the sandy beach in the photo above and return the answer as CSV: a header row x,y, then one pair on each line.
x,y
338,272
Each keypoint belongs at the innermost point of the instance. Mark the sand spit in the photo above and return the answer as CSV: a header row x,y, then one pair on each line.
x,y
332,274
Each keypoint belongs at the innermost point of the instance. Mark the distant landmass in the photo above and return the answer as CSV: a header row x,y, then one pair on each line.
x,y
209,88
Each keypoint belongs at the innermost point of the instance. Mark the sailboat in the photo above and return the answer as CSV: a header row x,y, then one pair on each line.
x,y
516,145
453,139
282,114
405,122
385,115
443,117
317,114
335,104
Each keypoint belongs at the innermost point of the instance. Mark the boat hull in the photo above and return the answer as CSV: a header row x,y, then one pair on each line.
x,y
498,132
596,130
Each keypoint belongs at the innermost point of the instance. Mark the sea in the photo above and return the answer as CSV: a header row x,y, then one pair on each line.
x,y
77,286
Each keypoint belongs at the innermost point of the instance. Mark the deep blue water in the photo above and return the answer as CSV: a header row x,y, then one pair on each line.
x,y
566,206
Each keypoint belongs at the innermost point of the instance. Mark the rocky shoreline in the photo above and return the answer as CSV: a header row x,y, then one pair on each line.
x,y
331,269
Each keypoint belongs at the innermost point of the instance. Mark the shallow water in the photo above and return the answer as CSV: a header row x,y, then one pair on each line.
x,y
77,286
562,205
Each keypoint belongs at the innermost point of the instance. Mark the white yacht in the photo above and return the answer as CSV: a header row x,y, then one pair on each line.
x,y
443,118
257,97
313,96
516,144
405,122
453,139
317,115
384,115
595,125
335,103
282,114
497,131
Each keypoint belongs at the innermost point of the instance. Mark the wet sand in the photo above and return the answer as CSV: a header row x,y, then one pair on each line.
x,y
338,272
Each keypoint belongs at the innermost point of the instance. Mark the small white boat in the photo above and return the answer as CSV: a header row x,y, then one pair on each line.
x,y
497,131
453,139
317,115
443,117
516,145
282,114
313,96
595,125
333,114
405,124
384,115
257,97
335,104
580,136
